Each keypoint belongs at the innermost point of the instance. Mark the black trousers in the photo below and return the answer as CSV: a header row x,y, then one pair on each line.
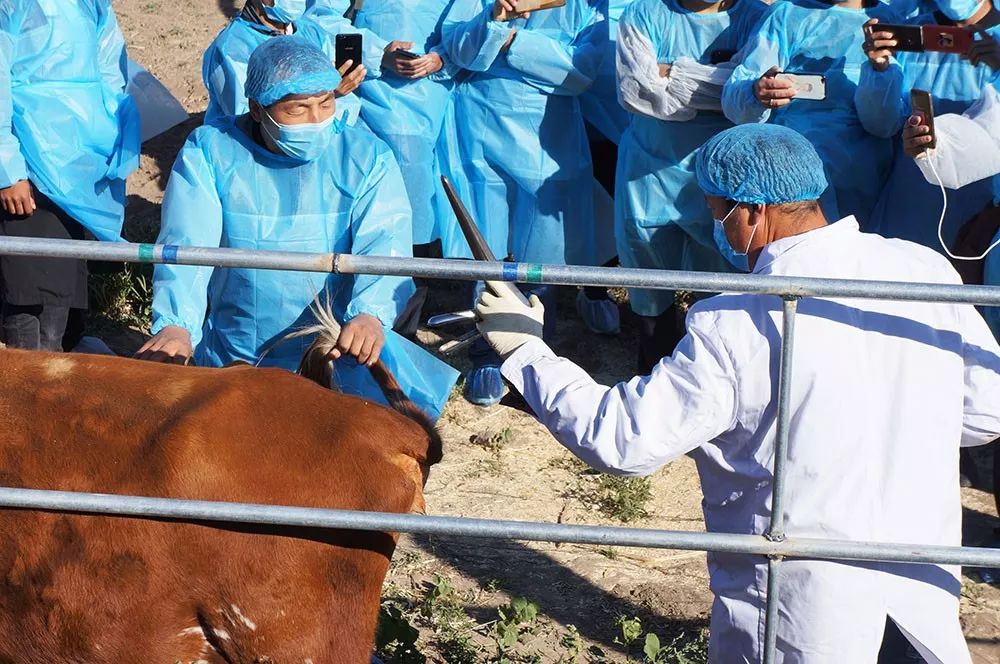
x,y
38,294
896,649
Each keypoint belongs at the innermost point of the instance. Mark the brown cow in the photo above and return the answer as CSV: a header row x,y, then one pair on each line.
x,y
96,589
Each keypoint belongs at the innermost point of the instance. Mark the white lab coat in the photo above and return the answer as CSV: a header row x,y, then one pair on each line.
x,y
882,395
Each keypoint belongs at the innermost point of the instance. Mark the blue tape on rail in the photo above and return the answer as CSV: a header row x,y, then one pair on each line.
x,y
509,272
170,253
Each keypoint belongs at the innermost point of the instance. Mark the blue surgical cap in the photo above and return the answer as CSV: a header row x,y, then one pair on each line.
x,y
760,163
958,10
290,65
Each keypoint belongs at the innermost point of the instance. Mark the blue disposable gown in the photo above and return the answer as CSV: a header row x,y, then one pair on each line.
x,y
228,191
408,115
517,149
909,206
661,220
224,66
599,103
66,123
808,36
991,269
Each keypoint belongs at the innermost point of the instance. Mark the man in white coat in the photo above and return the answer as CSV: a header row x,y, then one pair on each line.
x,y
882,395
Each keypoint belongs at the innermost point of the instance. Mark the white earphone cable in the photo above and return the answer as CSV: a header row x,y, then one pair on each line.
x,y
944,211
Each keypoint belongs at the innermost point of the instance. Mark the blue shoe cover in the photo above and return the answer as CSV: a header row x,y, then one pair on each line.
x,y
600,316
484,386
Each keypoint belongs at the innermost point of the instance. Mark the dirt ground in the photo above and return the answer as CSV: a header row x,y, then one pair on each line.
x,y
500,463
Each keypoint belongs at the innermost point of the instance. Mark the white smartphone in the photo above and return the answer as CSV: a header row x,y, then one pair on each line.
x,y
807,86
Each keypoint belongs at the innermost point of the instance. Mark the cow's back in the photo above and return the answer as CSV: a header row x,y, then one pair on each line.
x,y
106,589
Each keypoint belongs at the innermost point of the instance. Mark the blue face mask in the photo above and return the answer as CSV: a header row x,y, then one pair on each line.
x,y
285,11
737,260
959,10
303,142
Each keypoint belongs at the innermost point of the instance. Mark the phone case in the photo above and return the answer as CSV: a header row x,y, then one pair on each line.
x,y
908,37
810,87
531,6
348,46
947,39
921,102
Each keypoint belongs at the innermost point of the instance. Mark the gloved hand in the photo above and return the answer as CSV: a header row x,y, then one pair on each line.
x,y
505,320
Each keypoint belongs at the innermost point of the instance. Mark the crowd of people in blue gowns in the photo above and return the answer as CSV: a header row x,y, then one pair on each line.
x,y
570,133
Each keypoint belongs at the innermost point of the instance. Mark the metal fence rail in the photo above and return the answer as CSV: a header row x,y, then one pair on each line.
x,y
773,544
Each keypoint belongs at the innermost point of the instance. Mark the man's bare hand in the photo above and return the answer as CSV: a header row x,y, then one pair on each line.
x,y
18,199
916,136
878,45
362,338
171,345
349,82
504,10
773,92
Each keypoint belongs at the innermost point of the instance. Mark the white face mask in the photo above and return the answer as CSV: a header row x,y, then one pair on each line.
x,y
738,260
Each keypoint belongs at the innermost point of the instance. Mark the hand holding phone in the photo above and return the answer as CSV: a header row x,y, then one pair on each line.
x,y
985,50
918,135
348,48
773,92
807,86
880,44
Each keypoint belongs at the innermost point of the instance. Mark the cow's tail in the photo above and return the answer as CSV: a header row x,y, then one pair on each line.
x,y
317,366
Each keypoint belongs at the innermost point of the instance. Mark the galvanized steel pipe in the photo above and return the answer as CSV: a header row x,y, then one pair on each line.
x,y
568,275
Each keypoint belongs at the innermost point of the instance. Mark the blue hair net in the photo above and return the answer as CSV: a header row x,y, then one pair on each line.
x,y
958,10
290,65
760,163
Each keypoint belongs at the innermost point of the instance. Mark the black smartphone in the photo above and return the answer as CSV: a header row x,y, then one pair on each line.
x,y
408,55
721,55
922,104
348,47
908,37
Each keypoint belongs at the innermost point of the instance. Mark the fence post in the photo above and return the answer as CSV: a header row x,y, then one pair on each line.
x,y
776,531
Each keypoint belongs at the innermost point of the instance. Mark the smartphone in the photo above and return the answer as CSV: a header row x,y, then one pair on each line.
x,y
408,55
530,6
348,47
908,37
720,55
922,104
947,39
807,86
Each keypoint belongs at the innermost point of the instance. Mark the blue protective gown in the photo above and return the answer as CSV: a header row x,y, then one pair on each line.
x,y
661,220
516,145
224,66
408,115
991,268
228,191
808,36
66,123
909,206
599,103
332,16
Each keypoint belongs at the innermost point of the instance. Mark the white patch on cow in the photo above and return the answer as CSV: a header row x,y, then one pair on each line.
x,y
222,634
242,618
58,367
308,661
191,631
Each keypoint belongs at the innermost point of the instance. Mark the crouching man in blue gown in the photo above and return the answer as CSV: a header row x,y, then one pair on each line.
x,y
287,176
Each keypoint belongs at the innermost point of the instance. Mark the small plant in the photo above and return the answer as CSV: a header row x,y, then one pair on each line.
x,y
625,498
396,639
493,443
630,629
609,552
572,644
443,609
515,619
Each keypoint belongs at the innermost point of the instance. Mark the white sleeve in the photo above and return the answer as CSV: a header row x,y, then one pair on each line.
x,y
981,407
968,145
637,426
688,87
